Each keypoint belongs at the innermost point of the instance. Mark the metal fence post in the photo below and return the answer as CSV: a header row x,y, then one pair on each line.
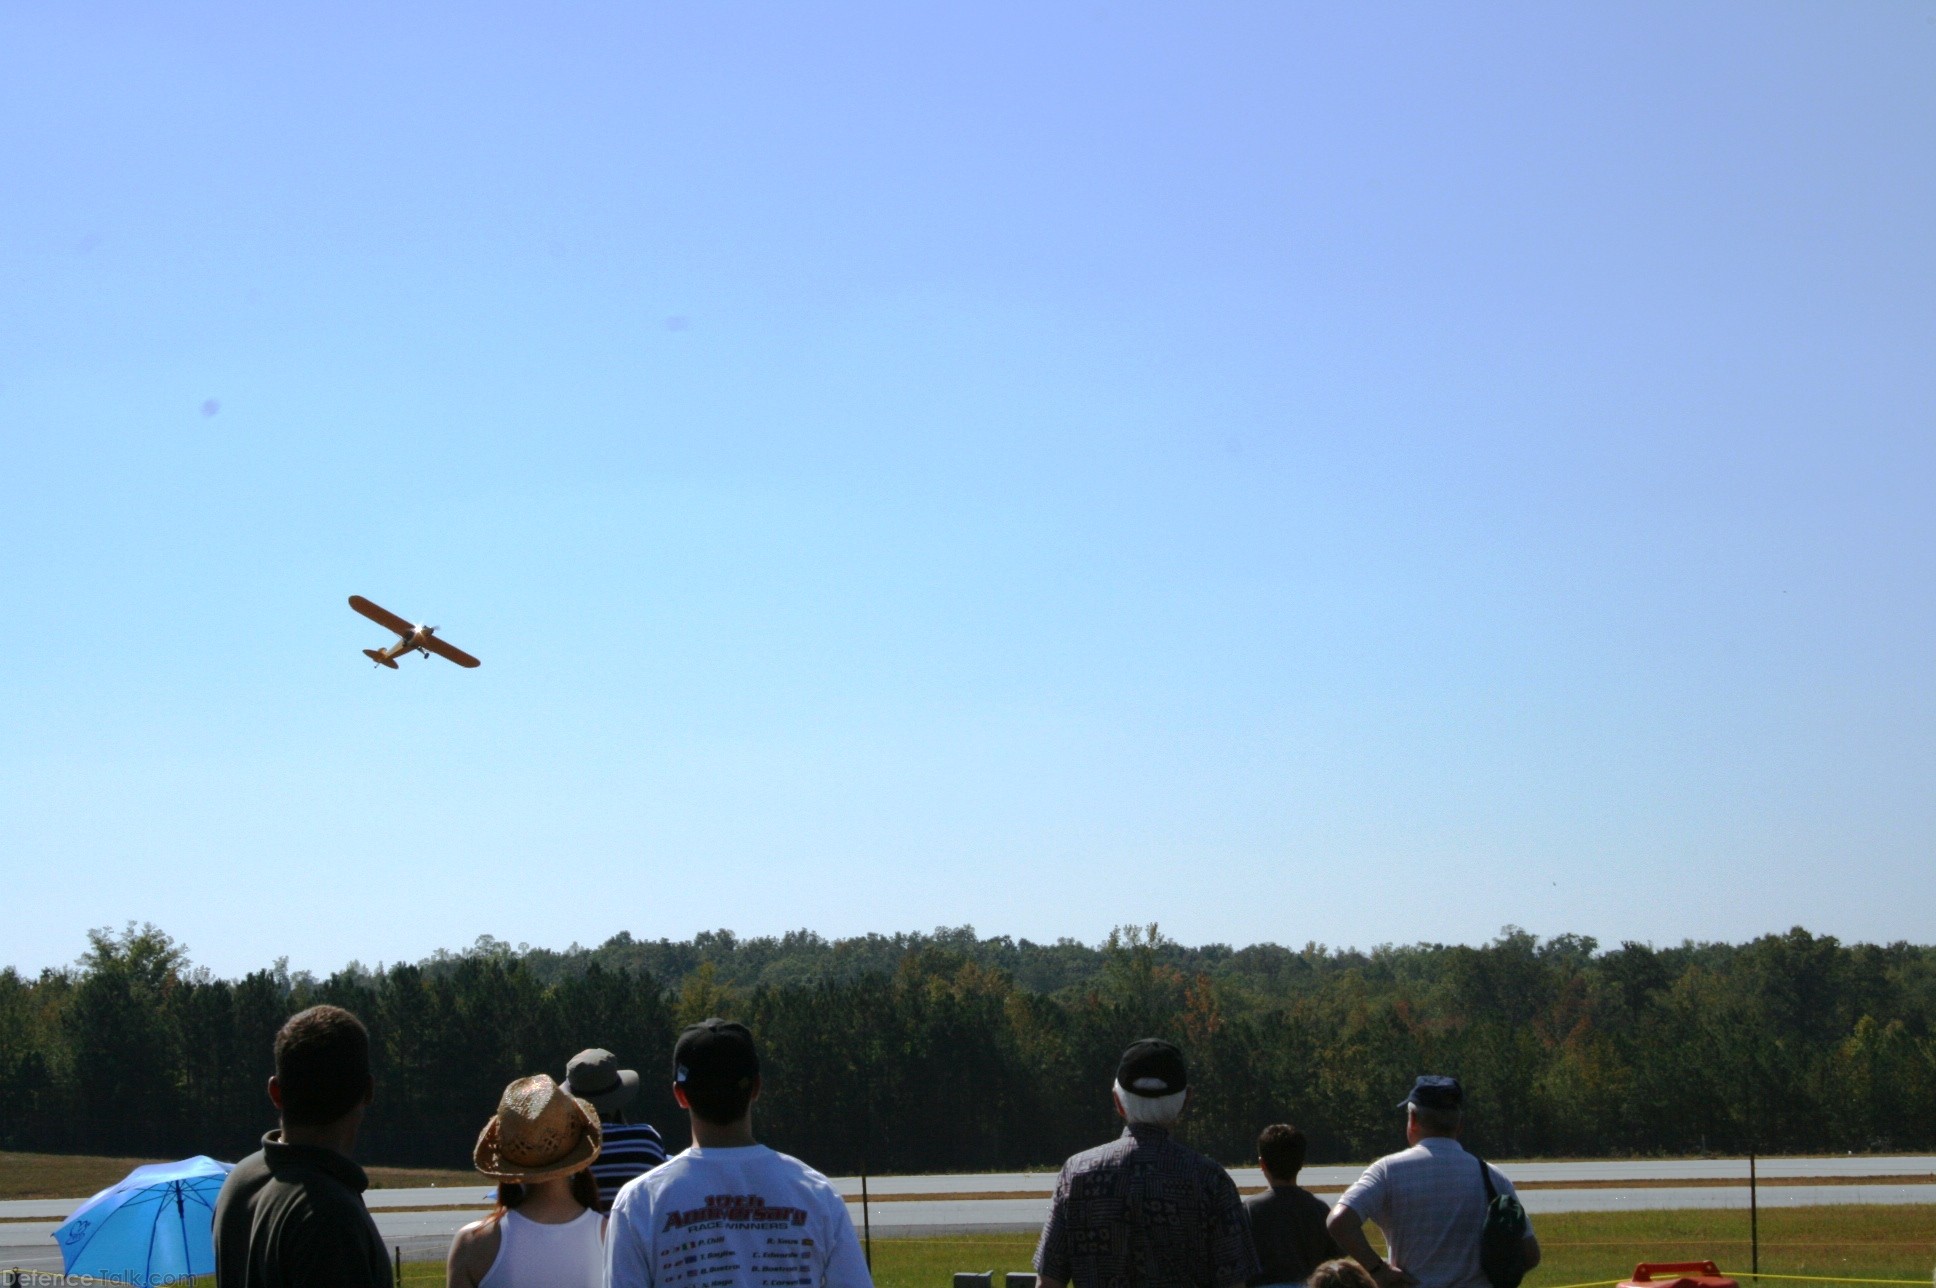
x,y
1754,1219
866,1219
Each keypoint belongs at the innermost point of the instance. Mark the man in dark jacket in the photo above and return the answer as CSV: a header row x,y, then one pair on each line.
x,y
1287,1220
291,1215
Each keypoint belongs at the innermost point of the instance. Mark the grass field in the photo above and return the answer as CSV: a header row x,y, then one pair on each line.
x,y
1820,1245
66,1176
1580,1247
1863,1242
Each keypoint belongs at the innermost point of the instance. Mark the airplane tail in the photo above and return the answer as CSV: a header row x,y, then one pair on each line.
x,y
376,656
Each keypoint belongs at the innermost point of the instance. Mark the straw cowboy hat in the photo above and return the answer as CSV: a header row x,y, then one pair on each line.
x,y
539,1131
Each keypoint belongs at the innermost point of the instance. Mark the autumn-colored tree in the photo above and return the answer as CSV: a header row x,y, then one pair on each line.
x,y
947,1050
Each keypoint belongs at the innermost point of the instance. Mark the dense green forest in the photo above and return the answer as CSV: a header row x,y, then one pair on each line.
x,y
948,1051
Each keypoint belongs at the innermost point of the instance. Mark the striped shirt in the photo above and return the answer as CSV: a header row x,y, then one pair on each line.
x,y
629,1149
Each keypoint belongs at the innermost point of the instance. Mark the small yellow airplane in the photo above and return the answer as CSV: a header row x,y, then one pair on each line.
x,y
415,636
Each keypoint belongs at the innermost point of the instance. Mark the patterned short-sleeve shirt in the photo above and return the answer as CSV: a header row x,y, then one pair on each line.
x,y
1145,1212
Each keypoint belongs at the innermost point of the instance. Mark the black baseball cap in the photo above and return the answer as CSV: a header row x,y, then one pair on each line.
x,y
1435,1091
1152,1067
715,1053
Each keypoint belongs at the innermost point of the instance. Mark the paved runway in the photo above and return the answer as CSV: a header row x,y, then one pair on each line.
x,y
1589,1170
1018,1201
1331,1177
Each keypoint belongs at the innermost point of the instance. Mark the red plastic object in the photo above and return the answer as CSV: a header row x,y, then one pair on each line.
x,y
1678,1274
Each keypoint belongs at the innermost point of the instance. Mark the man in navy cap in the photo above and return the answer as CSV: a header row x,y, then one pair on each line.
x,y
1434,1231
1145,1211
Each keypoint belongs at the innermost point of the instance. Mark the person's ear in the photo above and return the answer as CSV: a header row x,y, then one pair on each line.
x,y
275,1093
756,1091
369,1092
1116,1099
679,1094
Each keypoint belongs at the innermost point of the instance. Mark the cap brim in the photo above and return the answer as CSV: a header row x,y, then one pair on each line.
x,y
615,1097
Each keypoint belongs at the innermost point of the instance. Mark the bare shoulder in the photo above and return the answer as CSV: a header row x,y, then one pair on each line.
x,y
472,1254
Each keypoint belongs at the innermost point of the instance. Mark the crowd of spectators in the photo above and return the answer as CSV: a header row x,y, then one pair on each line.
x,y
586,1198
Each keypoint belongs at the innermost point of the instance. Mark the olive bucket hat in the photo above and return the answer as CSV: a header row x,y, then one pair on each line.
x,y
593,1074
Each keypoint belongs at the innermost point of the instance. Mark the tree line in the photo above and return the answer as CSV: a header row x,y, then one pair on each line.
x,y
955,1052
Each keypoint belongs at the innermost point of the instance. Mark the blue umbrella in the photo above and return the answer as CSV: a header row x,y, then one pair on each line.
x,y
154,1226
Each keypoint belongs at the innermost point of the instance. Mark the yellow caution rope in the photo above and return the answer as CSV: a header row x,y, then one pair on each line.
x,y
1749,1274
1821,1279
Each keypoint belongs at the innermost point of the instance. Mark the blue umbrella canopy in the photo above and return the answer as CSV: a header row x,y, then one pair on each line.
x,y
155,1225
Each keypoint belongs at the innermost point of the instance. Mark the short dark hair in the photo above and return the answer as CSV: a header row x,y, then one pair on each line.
x,y
1281,1148
721,1103
322,1065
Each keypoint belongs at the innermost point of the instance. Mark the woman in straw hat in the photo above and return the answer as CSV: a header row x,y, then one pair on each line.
x,y
545,1231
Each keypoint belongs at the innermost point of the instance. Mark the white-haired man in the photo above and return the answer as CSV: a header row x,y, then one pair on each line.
x,y
1144,1211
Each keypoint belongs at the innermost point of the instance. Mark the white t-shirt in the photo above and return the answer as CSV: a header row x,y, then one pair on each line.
x,y
1431,1203
745,1217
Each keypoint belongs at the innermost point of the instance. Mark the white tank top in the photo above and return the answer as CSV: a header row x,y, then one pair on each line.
x,y
531,1254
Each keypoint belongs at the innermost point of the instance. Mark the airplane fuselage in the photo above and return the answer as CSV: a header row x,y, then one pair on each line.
x,y
413,642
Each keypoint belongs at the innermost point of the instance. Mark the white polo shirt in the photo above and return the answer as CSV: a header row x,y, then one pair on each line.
x,y
1431,1203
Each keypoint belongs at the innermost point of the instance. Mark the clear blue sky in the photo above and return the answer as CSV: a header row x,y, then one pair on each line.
x,y
1284,471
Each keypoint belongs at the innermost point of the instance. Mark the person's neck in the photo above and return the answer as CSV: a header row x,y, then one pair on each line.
x,y
339,1135
733,1135
550,1202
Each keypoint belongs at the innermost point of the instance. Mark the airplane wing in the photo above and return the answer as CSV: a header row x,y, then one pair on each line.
x,y
381,616
450,651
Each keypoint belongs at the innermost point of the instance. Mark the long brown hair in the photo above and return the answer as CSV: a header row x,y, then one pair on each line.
x,y
511,1194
